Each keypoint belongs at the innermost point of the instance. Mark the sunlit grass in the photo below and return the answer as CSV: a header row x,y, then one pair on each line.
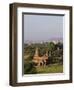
x,y
54,68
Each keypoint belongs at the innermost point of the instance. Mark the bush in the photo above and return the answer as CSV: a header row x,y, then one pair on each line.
x,y
29,68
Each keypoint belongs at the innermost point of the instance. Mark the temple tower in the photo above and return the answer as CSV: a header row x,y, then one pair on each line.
x,y
46,53
36,53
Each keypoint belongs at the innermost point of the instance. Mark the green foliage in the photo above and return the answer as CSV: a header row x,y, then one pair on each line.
x,y
50,46
29,68
53,68
55,52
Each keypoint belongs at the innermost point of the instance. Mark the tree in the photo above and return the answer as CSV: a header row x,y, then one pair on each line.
x,y
51,47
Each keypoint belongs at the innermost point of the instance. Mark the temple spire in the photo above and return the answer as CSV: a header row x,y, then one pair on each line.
x,y
46,52
36,52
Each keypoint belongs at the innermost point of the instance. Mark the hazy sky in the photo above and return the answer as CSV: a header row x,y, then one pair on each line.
x,y
42,27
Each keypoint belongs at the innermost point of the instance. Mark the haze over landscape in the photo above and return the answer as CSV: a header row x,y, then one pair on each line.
x,y
44,28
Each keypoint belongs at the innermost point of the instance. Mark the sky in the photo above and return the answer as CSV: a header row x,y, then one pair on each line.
x,y
39,28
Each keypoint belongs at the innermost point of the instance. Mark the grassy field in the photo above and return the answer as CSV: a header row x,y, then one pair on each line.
x,y
50,69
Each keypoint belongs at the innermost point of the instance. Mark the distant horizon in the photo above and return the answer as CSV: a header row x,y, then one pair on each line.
x,y
38,28
42,41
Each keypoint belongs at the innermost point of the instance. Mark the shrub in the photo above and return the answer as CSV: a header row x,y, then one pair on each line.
x,y
29,68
